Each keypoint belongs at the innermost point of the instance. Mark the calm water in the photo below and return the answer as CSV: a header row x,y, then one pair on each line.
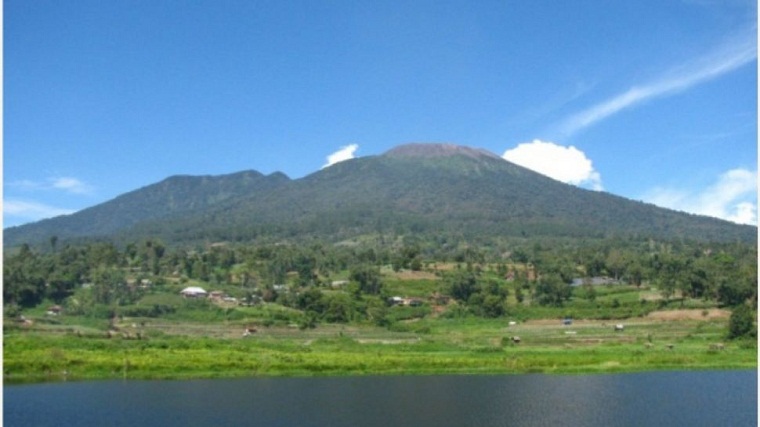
x,y
725,398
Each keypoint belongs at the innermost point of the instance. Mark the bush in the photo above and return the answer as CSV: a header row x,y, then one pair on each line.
x,y
741,323
154,310
12,311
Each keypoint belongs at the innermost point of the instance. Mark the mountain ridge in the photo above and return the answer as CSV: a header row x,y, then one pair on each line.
x,y
438,150
413,188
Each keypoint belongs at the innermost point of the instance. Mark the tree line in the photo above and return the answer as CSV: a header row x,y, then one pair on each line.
x,y
539,270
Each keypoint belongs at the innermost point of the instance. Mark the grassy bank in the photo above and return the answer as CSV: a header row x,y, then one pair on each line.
x,y
428,346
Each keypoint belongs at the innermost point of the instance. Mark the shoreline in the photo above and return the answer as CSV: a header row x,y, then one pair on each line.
x,y
59,380
34,358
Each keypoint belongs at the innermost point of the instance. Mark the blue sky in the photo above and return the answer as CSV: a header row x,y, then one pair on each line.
x,y
653,100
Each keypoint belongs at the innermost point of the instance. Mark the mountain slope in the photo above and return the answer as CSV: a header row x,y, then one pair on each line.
x,y
173,197
434,189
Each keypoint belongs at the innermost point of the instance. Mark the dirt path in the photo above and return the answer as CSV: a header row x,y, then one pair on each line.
x,y
691,314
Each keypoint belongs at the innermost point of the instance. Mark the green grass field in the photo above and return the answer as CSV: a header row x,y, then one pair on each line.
x,y
172,337
166,348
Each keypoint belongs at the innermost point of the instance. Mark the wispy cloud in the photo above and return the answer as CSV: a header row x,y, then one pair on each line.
x,y
66,184
20,211
733,197
25,184
71,185
566,164
345,153
736,52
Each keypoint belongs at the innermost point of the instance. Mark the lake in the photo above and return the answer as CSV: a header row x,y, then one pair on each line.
x,y
725,398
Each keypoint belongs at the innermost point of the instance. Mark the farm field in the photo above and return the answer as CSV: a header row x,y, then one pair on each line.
x,y
661,340
269,317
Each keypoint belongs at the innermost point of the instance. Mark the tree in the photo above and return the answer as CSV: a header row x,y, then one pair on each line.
x,y
741,323
615,263
493,306
304,266
61,284
199,270
311,300
339,308
110,287
635,272
670,270
377,311
367,278
462,285
23,280
551,290
519,295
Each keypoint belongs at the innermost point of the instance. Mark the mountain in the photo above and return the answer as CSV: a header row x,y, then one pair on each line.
x,y
428,189
169,199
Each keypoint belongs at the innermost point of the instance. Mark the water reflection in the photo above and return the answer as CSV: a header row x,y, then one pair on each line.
x,y
652,399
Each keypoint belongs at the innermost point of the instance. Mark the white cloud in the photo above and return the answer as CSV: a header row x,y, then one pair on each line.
x,y
566,164
733,197
733,54
345,153
70,185
20,211
67,184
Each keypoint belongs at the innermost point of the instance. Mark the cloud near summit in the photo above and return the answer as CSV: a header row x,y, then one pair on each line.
x,y
345,153
567,164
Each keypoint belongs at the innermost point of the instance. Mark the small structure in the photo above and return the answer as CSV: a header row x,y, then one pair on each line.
x,y
396,300
515,340
216,295
54,310
594,281
619,327
512,323
405,301
193,292
414,302
567,321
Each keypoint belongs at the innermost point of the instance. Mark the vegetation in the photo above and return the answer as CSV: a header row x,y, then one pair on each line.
x,y
464,345
427,259
437,193
410,305
742,323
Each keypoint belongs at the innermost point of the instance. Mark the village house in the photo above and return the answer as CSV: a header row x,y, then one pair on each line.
x,y
193,292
